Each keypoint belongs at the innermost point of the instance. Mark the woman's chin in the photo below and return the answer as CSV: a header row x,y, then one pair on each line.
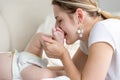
x,y
69,42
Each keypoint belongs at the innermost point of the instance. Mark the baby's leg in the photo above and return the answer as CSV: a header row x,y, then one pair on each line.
x,y
33,67
5,66
36,73
58,35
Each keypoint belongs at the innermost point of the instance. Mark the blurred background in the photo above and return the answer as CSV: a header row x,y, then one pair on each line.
x,y
110,5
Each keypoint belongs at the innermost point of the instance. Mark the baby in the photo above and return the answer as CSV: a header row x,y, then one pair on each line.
x,y
28,65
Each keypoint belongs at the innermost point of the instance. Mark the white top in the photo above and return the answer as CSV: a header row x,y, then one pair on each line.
x,y
107,31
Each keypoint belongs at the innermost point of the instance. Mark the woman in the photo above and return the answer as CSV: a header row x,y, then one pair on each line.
x,y
98,57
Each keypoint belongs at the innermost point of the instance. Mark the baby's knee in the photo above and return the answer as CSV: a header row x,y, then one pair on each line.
x,y
48,73
36,73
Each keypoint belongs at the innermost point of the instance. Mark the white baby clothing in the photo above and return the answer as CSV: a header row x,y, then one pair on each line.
x,y
23,60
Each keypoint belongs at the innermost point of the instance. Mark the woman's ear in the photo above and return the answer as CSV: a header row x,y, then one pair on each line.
x,y
80,15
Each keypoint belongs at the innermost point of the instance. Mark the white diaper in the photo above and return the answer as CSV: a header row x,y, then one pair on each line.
x,y
23,60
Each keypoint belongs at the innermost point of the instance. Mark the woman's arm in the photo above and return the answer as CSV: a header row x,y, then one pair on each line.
x,y
99,59
96,67
79,59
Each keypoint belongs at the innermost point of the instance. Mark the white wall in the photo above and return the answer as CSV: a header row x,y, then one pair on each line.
x,y
110,5
23,18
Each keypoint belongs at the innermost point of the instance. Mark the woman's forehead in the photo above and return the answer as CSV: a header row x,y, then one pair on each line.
x,y
57,9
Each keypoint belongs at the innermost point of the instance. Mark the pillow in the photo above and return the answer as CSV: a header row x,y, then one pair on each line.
x,y
4,36
46,28
48,24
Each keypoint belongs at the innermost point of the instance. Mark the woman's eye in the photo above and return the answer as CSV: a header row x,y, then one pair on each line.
x,y
59,21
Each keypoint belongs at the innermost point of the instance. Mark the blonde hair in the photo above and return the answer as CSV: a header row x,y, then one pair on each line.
x,y
90,6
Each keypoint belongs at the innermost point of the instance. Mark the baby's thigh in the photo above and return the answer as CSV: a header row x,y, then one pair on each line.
x,y
37,73
5,66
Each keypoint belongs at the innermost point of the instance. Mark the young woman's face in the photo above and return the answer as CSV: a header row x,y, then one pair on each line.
x,y
67,23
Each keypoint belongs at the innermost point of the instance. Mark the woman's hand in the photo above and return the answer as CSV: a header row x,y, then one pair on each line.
x,y
53,48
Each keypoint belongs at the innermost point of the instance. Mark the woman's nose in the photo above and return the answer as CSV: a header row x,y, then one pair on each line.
x,y
56,25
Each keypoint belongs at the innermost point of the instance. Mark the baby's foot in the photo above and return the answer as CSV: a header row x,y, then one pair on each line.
x,y
58,35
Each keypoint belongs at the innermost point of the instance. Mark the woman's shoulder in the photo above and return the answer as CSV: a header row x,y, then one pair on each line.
x,y
104,31
107,24
110,21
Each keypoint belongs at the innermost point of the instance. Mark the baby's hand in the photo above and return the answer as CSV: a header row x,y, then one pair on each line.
x,y
58,35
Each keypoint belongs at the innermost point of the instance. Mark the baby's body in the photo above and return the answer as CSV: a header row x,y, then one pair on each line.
x,y
10,71
33,71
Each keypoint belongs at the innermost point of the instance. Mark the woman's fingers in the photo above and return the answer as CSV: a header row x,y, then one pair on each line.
x,y
53,48
47,40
